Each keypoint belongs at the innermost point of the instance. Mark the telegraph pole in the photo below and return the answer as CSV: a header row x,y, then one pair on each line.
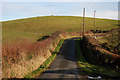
x,y
94,21
83,21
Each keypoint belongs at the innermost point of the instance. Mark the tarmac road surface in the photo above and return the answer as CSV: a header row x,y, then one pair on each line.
x,y
64,65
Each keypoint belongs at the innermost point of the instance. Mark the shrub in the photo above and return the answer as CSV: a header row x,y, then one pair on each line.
x,y
94,53
117,49
18,53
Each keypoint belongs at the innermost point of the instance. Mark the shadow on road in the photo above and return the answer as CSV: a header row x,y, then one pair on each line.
x,y
68,49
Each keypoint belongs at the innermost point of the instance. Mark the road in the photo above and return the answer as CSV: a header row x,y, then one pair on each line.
x,y
64,65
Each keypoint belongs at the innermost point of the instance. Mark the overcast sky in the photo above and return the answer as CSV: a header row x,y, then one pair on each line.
x,y
17,10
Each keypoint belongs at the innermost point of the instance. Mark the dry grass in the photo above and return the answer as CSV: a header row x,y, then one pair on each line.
x,y
96,54
19,54
22,58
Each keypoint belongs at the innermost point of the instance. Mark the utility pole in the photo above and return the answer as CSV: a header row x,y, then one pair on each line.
x,y
94,21
83,21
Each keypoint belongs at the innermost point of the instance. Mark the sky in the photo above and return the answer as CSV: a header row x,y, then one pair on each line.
x,y
18,10
60,0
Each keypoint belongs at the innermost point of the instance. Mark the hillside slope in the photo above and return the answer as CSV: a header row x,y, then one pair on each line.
x,y
33,28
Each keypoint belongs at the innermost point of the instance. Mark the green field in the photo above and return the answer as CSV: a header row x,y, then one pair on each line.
x,y
34,28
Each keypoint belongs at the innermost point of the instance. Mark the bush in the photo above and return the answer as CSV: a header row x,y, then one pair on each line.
x,y
117,49
106,46
99,31
97,55
44,37
24,55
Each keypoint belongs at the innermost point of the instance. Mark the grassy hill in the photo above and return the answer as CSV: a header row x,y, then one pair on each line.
x,y
33,28
111,41
111,38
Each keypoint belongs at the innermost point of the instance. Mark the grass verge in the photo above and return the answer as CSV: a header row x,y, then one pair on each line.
x,y
91,69
47,63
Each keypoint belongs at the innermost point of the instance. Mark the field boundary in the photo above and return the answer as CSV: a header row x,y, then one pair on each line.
x,y
46,63
94,53
90,69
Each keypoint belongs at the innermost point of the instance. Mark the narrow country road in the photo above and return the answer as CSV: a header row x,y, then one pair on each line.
x,y
64,65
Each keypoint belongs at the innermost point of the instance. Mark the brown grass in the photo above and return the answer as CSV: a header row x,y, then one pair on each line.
x,y
20,58
96,54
